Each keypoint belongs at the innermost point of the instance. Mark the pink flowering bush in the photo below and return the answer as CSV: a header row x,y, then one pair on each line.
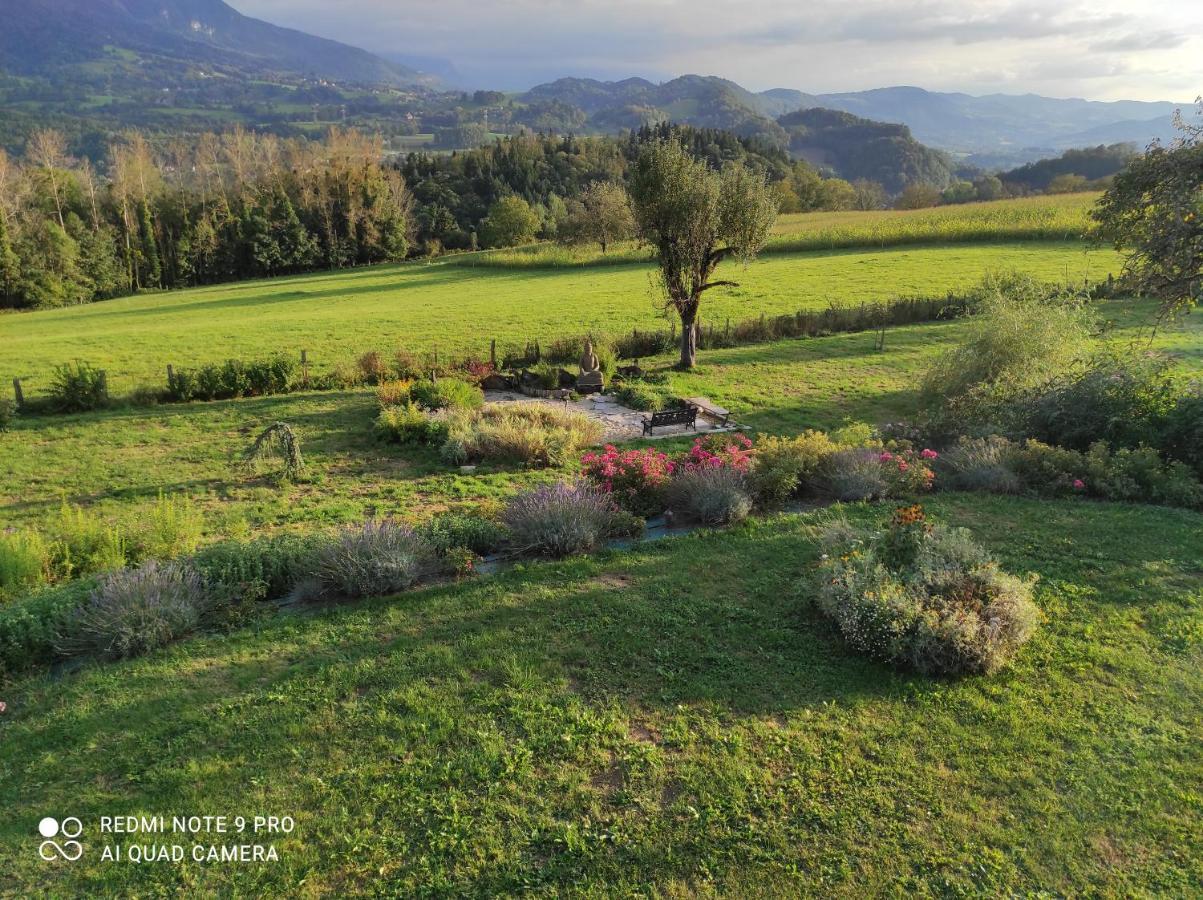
x,y
635,479
717,451
906,472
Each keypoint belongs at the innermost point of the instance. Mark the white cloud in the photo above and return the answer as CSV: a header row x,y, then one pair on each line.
x,y
1105,49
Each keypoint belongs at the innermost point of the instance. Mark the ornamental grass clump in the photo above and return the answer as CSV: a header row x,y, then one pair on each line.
x,y
134,611
562,519
375,559
537,434
923,596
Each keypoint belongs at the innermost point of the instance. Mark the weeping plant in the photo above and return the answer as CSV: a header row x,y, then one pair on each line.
x,y
278,442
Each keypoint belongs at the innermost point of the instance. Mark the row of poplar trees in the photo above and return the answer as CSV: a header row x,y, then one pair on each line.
x,y
206,209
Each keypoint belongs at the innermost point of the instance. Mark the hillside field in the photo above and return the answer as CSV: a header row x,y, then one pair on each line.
x,y
459,308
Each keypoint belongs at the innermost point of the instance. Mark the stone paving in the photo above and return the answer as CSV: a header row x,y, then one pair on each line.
x,y
621,423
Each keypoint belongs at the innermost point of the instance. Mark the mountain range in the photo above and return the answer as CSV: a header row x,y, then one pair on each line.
x,y
39,37
1006,125
143,62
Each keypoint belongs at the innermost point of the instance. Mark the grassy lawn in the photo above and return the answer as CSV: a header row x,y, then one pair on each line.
x,y
616,724
338,315
120,460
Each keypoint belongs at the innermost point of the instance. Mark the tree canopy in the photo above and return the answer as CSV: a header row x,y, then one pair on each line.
x,y
695,217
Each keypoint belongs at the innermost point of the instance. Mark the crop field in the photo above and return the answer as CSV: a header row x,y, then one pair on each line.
x,y
1064,217
459,308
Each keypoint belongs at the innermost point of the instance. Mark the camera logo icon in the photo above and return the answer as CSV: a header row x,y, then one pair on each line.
x,y
70,849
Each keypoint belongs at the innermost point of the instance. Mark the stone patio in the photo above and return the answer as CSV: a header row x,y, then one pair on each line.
x,y
621,423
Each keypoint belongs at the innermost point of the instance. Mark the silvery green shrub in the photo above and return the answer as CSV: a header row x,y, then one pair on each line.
x,y
562,519
135,610
375,559
715,495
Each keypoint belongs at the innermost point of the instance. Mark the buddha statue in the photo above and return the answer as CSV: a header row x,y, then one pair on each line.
x,y
590,379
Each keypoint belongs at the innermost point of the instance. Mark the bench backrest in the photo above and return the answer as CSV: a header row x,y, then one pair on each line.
x,y
674,416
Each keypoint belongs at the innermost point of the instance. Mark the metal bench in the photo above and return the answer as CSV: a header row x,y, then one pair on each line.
x,y
685,415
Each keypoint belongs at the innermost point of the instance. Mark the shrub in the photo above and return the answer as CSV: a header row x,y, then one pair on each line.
x,y
640,395
446,393
78,387
83,543
24,562
718,451
562,519
1140,475
278,441
182,386
375,559
924,597
133,611
1051,471
233,380
537,434
1022,335
372,368
1182,431
716,495
1120,399
265,568
171,527
783,466
407,424
980,464
636,479
270,376
30,626
907,471
546,375
449,531
393,393
8,412
406,365
854,473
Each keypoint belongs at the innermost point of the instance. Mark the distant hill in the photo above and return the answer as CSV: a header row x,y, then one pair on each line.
x,y
122,40
1092,163
854,148
704,101
968,124
850,146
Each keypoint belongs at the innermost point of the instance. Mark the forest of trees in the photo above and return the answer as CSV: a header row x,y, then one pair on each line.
x,y
173,211
214,208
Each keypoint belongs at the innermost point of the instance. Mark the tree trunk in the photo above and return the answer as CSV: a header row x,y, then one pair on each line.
x,y
689,340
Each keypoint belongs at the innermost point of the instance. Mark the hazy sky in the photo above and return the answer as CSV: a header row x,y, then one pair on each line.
x,y
1101,49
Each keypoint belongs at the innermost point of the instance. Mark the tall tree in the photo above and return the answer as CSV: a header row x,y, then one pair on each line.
x,y
1154,212
49,149
152,268
696,217
10,271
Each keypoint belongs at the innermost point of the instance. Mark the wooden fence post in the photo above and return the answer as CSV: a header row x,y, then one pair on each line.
x,y
19,393
493,352
305,368
104,384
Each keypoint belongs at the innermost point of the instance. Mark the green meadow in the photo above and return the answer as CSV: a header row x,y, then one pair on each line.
x,y
675,718
459,308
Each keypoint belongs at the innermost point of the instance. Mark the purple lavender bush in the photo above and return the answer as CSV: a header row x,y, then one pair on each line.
x,y
375,559
134,611
562,519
